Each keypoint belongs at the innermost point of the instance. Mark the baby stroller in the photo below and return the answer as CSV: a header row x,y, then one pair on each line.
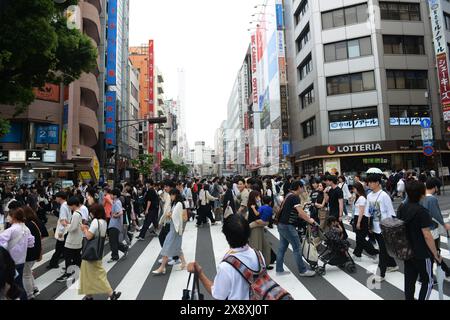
x,y
335,253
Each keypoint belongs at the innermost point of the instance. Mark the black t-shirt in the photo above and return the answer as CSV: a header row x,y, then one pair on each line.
x,y
289,215
334,196
152,196
416,218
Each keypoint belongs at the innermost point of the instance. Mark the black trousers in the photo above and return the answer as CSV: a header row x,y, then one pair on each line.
x,y
361,242
115,244
415,268
151,217
203,213
59,253
72,257
385,260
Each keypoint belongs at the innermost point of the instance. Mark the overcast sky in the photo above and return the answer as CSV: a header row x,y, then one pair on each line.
x,y
209,39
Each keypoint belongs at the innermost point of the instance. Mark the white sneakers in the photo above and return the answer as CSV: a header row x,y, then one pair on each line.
x,y
283,273
378,278
174,262
392,269
309,273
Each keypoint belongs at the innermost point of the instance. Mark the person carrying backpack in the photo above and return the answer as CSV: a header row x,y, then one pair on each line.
x,y
417,226
229,283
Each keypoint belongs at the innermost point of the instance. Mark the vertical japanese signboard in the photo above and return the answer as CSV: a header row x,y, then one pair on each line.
x,y
440,46
65,123
110,119
151,95
112,44
254,72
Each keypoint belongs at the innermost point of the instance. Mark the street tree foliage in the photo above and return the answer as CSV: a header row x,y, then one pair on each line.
x,y
37,47
144,164
172,168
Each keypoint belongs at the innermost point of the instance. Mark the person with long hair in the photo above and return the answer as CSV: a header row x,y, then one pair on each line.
x,y
93,279
33,254
204,210
361,224
172,243
17,239
9,290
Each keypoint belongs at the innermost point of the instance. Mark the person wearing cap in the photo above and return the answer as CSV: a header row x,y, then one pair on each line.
x,y
379,207
116,227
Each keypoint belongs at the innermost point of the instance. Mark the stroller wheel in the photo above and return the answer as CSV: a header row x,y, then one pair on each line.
x,y
350,267
321,271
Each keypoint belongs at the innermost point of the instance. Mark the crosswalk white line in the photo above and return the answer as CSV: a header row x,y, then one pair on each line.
x,y
45,257
72,292
346,284
397,279
180,278
219,243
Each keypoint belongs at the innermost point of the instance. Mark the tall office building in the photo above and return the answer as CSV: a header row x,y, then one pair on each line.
x,y
362,77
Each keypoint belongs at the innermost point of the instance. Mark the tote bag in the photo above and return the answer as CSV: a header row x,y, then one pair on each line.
x,y
93,250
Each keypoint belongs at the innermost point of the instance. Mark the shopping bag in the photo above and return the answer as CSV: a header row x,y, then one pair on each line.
x,y
309,250
440,275
194,293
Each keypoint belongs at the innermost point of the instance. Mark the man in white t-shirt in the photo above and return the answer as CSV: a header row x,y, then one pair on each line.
x,y
379,207
229,283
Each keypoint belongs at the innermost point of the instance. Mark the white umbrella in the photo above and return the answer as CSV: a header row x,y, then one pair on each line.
x,y
374,170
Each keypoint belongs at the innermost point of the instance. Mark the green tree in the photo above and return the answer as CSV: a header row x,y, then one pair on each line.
x,y
144,164
168,165
37,47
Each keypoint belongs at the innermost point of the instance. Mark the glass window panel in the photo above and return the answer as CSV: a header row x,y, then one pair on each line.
x,y
338,18
365,46
362,13
341,50
403,11
400,82
384,10
414,12
357,82
353,49
393,11
327,20
350,16
368,80
330,52
390,79
344,84
333,86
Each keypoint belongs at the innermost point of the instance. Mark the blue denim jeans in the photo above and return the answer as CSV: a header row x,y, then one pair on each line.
x,y
289,235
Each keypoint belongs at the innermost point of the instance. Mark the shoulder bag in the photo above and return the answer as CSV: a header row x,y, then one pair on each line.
x,y
93,250
193,294
279,210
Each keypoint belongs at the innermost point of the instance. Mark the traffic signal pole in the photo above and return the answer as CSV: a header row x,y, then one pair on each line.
x,y
156,120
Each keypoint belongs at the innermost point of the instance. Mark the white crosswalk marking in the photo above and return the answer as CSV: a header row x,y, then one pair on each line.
x,y
131,281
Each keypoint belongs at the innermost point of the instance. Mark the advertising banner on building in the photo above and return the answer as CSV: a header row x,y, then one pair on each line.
x,y
111,49
151,95
110,119
50,92
14,134
47,134
254,58
440,47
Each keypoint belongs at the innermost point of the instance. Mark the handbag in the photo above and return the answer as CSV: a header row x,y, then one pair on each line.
x,y
193,294
163,233
309,250
93,250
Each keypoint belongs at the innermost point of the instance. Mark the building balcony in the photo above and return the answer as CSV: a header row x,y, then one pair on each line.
x,y
91,21
88,126
89,90
97,4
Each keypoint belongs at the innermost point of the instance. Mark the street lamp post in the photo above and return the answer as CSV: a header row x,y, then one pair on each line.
x,y
118,129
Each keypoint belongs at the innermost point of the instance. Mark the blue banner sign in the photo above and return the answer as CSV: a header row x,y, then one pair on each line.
x,y
110,119
112,44
286,148
47,134
280,22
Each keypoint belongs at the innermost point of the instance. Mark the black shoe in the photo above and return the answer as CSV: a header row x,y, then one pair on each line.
x,y
269,267
63,278
115,296
88,298
36,291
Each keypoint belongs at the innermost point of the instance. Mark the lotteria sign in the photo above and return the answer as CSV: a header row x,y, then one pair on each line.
x,y
367,147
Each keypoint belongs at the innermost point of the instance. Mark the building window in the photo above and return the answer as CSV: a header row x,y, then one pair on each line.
x,y
307,97
303,39
408,115
305,68
348,49
353,118
345,16
403,44
400,11
351,83
134,92
407,79
309,128
301,11
447,20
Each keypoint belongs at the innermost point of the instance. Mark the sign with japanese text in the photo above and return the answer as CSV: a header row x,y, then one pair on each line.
x,y
151,94
111,50
50,92
110,119
254,55
47,134
444,84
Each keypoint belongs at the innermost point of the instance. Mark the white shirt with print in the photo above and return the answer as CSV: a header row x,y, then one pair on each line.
x,y
379,207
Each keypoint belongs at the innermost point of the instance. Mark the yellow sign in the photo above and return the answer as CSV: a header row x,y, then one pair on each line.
x,y
64,140
85,175
96,166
